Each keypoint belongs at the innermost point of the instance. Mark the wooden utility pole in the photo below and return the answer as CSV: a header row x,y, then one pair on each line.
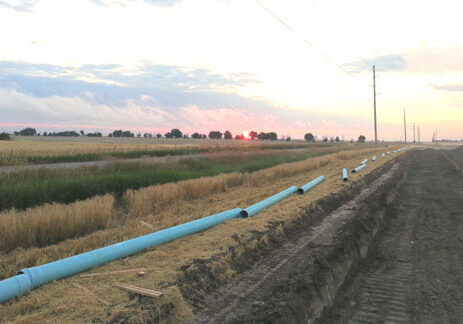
x,y
414,139
405,128
374,104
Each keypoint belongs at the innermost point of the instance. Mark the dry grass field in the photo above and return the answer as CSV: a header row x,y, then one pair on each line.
x,y
163,206
29,150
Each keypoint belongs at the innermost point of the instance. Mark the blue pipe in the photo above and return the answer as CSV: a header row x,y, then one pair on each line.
x,y
34,277
383,155
373,158
310,185
359,168
364,161
254,209
345,177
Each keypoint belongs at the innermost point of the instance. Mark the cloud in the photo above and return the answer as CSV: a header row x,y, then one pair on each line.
x,y
383,63
113,84
434,60
141,114
160,3
19,5
449,87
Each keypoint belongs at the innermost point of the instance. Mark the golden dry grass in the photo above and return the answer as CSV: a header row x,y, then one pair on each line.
x,y
59,302
154,198
19,149
52,223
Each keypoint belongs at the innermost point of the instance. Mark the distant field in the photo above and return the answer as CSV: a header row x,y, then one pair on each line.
x,y
35,150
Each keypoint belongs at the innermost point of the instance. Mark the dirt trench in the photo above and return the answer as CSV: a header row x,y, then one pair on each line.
x,y
298,280
413,273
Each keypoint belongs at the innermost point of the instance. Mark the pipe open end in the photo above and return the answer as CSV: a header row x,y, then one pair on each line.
x,y
244,214
345,179
353,171
300,191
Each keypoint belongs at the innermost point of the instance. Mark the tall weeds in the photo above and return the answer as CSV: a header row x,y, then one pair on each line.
x,y
52,223
151,199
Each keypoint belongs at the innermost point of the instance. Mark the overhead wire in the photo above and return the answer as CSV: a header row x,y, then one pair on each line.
x,y
281,21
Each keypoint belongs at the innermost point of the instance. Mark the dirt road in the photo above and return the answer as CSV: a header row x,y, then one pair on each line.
x,y
339,271
414,271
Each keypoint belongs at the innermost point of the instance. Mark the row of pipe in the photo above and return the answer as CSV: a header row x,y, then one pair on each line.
x,y
31,278
364,163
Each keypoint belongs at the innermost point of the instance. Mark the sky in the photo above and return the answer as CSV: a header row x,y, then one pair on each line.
x,y
153,65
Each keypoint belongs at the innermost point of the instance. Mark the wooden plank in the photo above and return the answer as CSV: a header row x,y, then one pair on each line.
x,y
89,292
88,275
138,290
147,225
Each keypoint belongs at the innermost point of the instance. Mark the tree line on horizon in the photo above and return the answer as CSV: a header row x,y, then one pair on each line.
x,y
177,133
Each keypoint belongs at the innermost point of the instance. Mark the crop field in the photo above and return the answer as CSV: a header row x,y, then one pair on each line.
x,y
34,150
50,214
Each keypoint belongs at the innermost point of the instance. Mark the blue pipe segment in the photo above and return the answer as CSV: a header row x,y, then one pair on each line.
x,y
254,209
373,158
345,176
310,185
383,155
364,161
359,168
31,278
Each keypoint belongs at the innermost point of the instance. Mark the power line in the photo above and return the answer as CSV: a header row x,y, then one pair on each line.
x,y
326,57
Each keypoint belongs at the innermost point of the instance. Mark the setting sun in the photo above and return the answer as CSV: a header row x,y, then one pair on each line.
x,y
246,134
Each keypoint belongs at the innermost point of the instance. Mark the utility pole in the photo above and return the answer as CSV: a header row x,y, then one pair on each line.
x,y
405,128
374,104
414,139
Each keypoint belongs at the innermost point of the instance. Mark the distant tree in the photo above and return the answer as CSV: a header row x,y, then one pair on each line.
x,y
65,134
215,135
45,134
325,139
5,137
158,135
331,139
227,135
168,135
204,136
138,134
185,135
309,137
253,135
82,133
27,132
337,139
238,137
288,138
96,134
176,133
196,135
127,134
362,139
110,135
267,136
147,135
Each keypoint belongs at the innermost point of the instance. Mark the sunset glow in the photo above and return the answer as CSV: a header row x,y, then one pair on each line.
x,y
189,65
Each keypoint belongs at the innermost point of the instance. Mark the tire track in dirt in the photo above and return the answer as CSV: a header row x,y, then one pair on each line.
x,y
413,272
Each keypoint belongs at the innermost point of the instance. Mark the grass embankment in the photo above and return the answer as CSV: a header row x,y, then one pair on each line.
x,y
168,264
30,188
